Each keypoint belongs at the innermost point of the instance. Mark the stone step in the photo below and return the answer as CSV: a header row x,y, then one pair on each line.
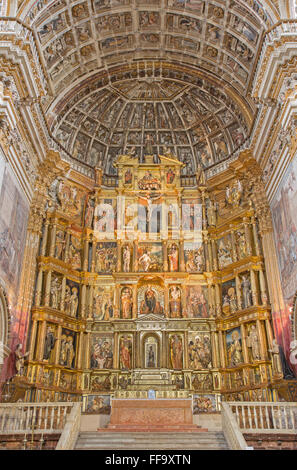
x,y
151,441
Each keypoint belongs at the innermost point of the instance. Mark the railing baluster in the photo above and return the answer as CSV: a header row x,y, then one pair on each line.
x,y
52,418
249,416
273,416
261,415
267,418
46,417
58,417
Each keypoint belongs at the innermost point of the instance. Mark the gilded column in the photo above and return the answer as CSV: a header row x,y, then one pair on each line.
x,y
44,238
254,287
116,362
262,340
166,301
255,237
182,266
214,255
62,304
222,350
135,259
244,345
214,361
48,289
134,312
86,255
33,340
247,236
53,240
238,292
67,244
83,300
39,288
184,300
165,257
119,256
58,345
218,300
41,341
233,241
80,350
264,299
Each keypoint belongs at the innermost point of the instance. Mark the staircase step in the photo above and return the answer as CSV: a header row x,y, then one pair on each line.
x,y
151,441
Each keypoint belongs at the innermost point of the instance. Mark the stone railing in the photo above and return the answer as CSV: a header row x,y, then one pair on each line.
x,y
231,429
70,432
265,417
22,418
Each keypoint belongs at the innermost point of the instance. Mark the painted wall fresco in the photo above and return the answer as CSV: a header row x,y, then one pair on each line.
x,y
14,210
284,214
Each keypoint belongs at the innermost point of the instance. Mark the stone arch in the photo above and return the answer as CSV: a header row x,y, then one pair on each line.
x,y
4,324
151,339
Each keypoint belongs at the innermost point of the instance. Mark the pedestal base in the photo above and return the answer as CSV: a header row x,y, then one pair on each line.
x,y
152,416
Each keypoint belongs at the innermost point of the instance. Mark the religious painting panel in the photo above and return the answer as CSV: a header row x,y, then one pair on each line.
x,y
106,257
195,6
74,252
284,213
126,302
229,298
175,304
197,301
103,305
192,219
13,223
150,300
176,351
194,257
102,347
150,257
67,348
224,250
234,347
97,404
101,383
71,299
126,351
204,404
199,350
202,382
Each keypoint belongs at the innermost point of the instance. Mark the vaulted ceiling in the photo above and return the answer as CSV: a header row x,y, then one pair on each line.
x,y
179,70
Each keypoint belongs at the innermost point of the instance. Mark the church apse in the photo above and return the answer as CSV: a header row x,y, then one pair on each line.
x,y
151,285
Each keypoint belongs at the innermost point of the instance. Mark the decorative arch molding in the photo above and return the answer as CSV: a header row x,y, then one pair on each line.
x,y
294,318
4,321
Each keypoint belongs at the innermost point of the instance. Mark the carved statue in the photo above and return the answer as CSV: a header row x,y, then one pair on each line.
x,y
60,244
55,293
233,194
235,352
211,214
49,343
67,300
253,342
20,359
246,291
173,258
73,302
126,259
127,303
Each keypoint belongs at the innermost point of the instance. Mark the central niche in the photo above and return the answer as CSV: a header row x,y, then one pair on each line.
x,y
151,352
151,299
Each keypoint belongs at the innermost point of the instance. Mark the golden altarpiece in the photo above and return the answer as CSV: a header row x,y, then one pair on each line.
x,y
148,284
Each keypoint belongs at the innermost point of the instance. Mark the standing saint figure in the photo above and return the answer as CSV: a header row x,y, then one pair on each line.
x,y
126,259
148,149
73,302
176,352
126,301
253,342
125,352
246,291
175,302
49,343
173,258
